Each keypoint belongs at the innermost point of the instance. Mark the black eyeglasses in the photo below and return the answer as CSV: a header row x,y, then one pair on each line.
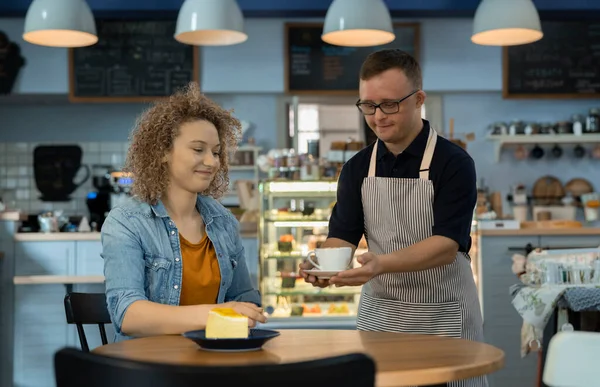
x,y
387,107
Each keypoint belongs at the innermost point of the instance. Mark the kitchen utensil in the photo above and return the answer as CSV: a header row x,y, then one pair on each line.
x,y
544,215
537,152
577,187
556,151
548,190
579,151
521,152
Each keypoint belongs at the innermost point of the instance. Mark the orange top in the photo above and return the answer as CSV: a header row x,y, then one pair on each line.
x,y
201,274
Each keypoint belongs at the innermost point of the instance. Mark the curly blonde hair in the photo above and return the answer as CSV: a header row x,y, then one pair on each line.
x,y
157,128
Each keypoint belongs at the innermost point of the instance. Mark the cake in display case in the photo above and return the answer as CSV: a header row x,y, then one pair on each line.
x,y
294,220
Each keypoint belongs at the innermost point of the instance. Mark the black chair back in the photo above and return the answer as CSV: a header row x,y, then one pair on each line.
x,y
87,308
74,368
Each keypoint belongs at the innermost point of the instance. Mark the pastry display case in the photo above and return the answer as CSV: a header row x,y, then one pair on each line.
x,y
294,220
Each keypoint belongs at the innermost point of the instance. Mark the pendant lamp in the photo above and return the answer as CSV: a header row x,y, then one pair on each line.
x,y
506,23
210,23
358,23
60,23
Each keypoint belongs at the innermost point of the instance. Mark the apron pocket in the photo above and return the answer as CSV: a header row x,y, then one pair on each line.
x,y
380,314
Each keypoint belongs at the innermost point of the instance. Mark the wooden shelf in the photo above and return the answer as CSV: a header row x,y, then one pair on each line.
x,y
34,99
242,167
502,140
56,236
57,279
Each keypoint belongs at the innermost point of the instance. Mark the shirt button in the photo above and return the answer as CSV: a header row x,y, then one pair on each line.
x,y
176,259
172,232
155,264
170,223
176,287
395,170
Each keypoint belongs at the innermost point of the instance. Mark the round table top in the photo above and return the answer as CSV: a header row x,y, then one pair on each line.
x,y
401,359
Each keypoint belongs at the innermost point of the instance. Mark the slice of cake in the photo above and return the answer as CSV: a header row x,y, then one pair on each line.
x,y
226,323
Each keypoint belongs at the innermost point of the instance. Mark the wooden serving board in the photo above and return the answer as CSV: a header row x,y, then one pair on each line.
x,y
552,224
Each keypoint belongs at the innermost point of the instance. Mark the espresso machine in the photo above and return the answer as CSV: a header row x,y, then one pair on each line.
x,y
111,188
121,187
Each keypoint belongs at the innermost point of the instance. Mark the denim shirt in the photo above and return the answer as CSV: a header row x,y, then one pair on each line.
x,y
142,256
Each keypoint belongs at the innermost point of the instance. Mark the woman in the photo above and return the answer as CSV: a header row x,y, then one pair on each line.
x,y
172,251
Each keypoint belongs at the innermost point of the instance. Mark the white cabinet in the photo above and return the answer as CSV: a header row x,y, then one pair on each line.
x,y
44,258
40,327
89,261
40,330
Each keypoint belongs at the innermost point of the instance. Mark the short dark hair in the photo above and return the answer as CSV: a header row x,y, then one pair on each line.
x,y
392,58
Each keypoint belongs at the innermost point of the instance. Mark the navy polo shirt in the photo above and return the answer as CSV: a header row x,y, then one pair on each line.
x,y
452,172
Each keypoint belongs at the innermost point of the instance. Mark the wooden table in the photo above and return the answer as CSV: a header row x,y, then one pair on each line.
x,y
402,359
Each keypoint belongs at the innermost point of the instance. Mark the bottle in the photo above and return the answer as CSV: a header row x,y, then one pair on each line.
x,y
578,124
593,121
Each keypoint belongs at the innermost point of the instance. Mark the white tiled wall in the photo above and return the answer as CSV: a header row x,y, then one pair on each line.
x,y
17,183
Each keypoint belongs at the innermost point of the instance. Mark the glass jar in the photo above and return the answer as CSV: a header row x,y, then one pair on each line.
x,y
499,129
292,158
547,128
564,127
310,169
593,121
579,124
516,127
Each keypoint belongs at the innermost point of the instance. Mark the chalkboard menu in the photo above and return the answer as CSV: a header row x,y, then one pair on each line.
x,y
133,61
565,63
316,67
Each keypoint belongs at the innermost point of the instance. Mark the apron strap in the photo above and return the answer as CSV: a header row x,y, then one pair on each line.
x,y
373,162
425,163
428,155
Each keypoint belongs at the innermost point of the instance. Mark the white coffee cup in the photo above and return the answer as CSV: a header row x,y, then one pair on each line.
x,y
331,259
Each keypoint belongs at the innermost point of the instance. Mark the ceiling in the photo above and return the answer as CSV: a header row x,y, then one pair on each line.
x,y
163,9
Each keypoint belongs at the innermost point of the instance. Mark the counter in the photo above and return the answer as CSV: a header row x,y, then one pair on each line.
x,y
542,231
13,216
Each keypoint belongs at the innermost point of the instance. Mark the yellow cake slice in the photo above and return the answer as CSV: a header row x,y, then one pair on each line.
x,y
226,323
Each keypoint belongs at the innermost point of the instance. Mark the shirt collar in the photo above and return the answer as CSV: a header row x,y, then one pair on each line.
x,y
416,147
203,204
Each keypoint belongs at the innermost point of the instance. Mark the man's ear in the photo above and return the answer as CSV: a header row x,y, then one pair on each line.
x,y
421,96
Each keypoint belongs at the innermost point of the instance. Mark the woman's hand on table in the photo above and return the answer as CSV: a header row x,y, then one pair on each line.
x,y
253,312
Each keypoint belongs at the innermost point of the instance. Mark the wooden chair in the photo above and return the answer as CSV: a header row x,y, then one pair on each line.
x,y
75,368
87,308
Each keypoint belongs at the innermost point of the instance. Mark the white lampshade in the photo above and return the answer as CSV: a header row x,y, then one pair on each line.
x,y
506,23
210,23
60,23
358,23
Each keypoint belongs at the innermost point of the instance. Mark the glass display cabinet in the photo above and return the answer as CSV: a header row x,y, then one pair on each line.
x,y
294,221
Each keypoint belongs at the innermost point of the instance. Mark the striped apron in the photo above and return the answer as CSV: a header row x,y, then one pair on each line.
x,y
439,301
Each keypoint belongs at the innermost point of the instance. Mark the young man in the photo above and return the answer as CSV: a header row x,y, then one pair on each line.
x,y
412,194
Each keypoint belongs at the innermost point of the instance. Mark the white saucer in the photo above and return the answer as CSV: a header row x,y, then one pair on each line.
x,y
322,274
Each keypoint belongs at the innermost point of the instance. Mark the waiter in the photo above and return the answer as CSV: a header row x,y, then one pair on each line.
x,y
412,194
